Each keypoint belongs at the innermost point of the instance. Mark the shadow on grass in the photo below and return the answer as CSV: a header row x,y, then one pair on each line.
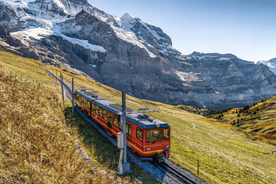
x,y
99,147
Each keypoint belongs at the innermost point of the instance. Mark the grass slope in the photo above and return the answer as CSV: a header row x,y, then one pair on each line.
x,y
35,144
226,154
257,121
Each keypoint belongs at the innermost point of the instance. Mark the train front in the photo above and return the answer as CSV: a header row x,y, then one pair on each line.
x,y
157,142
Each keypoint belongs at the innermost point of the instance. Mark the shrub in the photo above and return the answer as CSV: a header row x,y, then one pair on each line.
x,y
262,99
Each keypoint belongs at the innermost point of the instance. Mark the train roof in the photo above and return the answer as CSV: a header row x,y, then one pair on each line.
x,y
138,118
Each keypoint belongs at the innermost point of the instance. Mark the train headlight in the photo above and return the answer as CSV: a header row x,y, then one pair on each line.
x,y
167,146
148,149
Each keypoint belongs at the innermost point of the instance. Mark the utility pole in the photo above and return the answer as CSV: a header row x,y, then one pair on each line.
x,y
62,90
197,166
126,165
124,122
73,103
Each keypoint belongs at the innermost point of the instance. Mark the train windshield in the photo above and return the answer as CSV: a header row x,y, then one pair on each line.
x,y
166,135
154,135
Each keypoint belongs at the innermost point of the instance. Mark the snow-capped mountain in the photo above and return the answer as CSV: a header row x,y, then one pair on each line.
x,y
129,54
270,63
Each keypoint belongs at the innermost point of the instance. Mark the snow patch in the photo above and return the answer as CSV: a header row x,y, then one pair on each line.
x,y
59,4
94,66
154,33
27,34
47,24
131,37
38,33
83,43
224,59
21,2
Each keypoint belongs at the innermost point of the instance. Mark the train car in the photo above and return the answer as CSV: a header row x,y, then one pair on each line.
x,y
148,137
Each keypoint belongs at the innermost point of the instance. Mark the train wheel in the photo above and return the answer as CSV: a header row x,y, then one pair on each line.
x,y
158,158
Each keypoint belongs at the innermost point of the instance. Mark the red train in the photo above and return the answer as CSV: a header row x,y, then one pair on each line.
x,y
147,136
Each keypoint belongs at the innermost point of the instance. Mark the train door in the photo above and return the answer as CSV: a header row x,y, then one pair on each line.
x,y
109,123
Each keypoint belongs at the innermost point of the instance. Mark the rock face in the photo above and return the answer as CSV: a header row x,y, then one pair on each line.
x,y
129,54
270,63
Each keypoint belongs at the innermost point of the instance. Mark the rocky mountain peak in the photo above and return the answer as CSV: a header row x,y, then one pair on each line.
x,y
270,63
51,7
82,2
129,54
127,17
20,2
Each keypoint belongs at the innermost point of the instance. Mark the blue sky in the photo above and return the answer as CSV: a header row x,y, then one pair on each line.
x,y
245,28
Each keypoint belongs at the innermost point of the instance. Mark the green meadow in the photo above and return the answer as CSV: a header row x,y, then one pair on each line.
x,y
227,153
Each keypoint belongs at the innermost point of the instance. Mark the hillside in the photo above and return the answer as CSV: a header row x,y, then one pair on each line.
x,y
225,154
35,144
258,120
140,56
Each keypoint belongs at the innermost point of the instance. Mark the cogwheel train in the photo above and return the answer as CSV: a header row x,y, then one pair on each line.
x,y
148,137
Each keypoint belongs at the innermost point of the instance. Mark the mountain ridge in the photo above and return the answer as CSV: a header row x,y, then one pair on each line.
x,y
270,63
129,54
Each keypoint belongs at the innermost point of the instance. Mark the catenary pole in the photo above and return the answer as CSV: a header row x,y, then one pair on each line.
x,y
124,123
73,103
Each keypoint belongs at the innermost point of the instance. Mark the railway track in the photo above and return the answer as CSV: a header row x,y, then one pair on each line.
x,y
173,173
170,170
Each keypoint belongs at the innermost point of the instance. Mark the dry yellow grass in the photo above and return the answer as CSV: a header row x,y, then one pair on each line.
x,y
226,154
35,146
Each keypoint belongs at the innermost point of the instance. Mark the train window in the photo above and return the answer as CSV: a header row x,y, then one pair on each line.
x,y
154,135
109,118
92,107
96,109
87,104
100,112
77,96
116,119
81,100
104,114
128,129
166,135
139,134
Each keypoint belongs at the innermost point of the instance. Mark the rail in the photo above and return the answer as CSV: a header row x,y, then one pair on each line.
x,y
173,173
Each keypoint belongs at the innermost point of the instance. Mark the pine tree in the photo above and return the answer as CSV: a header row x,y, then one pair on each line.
x,y
262,99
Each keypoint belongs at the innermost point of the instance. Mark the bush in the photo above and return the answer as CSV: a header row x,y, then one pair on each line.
x,y
262,99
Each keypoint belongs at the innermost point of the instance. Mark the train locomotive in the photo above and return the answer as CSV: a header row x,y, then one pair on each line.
x,y
148,137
